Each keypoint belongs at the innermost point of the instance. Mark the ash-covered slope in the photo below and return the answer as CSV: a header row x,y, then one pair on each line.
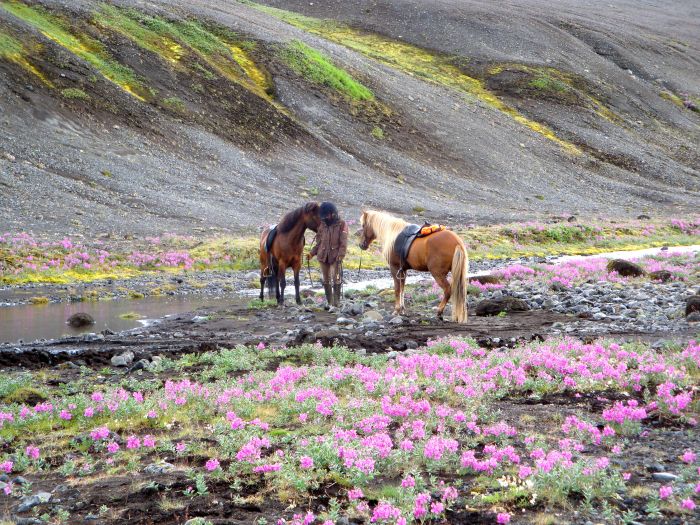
x,y
144,117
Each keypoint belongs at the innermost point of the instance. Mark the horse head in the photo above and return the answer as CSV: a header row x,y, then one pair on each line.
x,y
366,232
312,219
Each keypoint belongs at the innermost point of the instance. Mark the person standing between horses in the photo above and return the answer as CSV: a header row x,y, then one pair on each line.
x,y
331,246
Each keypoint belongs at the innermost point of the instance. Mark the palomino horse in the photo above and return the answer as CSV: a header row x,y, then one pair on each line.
x,y
286,250
438,253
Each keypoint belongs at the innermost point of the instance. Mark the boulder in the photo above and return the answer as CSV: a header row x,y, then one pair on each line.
x,y
29,502
661,275
486,279
502,304
80,319
694,317
692,305
625,268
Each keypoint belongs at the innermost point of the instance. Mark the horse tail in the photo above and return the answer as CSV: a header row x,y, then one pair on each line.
x,y
271,278
460,269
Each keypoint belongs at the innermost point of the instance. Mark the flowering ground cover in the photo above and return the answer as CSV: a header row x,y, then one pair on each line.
x,y
680,266
550,432
27,259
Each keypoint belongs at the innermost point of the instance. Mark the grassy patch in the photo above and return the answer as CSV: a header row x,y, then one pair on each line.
x,y
378,133
175,104
547,83
13,50
75,94
317,68
219,48
257,304
39,300
130,316
83,46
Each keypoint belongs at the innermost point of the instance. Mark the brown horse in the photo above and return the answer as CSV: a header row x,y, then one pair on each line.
x,y
438,253
286,250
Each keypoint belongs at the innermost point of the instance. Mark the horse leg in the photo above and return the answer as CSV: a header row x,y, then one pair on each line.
x,y
442,281
263,280
282,280
397,291
402,286
297,295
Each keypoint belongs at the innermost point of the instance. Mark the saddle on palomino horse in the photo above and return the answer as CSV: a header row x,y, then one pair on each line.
x,y
410,233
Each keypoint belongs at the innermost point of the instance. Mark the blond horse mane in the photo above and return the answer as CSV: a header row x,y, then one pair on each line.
x,y
385,227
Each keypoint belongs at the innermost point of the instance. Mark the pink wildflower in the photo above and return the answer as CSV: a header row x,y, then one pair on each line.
x,y
112,447
665,491
180,447
688,504
503,517
212,464
688,456
6,466
354,494
149,441
306,462
133,442
32,452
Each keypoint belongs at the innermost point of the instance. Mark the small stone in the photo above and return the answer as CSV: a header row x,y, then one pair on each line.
x,y
159,468
396,320
694,317
124,359
27,521
664,477
344,321
199,319
372,315
19,480
141,364
661,275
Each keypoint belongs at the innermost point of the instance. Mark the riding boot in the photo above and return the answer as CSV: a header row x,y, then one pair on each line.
x,y
336,294
329,293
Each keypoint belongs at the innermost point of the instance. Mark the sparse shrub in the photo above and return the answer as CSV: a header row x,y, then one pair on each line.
x,y
39,300
75,94
378,133
174,104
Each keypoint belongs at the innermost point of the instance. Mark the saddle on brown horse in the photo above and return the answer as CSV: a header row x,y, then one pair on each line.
x,y
410,233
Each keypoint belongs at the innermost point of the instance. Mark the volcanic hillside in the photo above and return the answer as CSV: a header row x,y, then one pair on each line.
x,y
152,116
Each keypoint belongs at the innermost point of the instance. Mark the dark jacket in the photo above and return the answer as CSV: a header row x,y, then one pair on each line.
x,y
331,242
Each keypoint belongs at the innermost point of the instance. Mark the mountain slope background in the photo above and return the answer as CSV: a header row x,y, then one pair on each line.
x,y
144,117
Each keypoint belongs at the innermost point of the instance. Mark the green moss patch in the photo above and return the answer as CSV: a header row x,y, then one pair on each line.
x,y
317,68
219,48
83,46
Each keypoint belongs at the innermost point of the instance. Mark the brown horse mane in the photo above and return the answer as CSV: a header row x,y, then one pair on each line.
x,y
292,218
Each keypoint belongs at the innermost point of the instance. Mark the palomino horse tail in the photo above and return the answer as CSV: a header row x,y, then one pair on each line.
x,y
460,269
271,278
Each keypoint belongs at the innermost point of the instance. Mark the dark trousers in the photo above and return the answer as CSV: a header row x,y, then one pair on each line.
x,y
331,272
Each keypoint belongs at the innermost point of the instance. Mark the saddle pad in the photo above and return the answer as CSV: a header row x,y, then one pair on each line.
x,y
270,238
403,242
429,229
